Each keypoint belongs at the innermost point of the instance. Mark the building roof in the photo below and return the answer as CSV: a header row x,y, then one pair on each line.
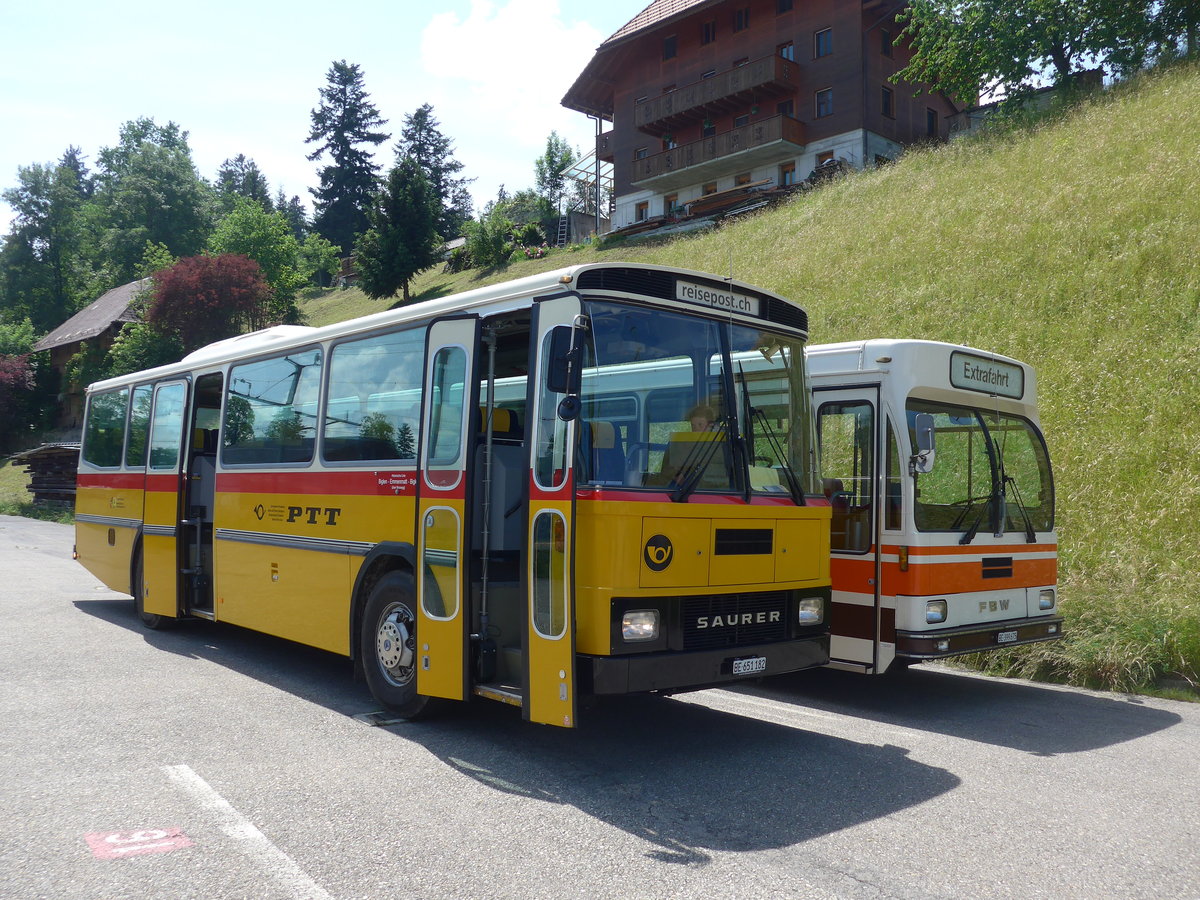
x,y
592,91
108,309
656,13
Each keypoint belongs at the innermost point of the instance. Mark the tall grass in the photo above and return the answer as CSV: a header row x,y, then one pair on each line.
x,y
1073,245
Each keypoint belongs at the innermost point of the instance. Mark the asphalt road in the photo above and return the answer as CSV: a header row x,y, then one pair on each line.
x,y
210,762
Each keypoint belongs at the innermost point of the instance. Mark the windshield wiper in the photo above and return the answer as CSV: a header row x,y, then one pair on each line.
x,y
789,474
687,479
1030,534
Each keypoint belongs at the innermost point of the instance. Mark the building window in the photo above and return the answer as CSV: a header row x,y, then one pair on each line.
x,y
743,178
824,157
885,43
709,74
739,121
708,32
741,19
710,188
787,173
823,43
668,88
824,103
670,204
668,142
782,6
641,211
641,152
785,108
787,51
708,128
931,122
670,46
640,100
886,105
738,63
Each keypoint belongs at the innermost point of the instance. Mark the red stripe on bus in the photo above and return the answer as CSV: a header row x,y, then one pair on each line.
x,y
118,480
397,482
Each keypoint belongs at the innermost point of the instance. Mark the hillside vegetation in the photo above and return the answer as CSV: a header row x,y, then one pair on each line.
x,y
1072,245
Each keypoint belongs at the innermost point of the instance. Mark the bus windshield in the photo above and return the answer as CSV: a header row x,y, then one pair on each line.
x,y
686,403
991,472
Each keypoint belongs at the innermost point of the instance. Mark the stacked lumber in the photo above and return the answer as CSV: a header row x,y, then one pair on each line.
x,y
51,473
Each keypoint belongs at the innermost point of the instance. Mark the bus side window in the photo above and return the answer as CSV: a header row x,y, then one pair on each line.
x,y
893,518
847,462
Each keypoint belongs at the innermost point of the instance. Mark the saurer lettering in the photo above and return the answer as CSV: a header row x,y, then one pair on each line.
x,y
730,621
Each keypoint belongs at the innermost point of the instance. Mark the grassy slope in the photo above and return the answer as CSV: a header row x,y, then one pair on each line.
x,y
1073,247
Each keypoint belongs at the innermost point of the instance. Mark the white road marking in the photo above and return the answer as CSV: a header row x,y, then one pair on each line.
x,y
255,844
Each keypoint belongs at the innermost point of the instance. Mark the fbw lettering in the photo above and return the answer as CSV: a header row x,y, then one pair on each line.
x,y
993,605
313,513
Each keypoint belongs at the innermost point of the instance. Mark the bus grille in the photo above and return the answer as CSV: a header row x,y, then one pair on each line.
x,y
734,620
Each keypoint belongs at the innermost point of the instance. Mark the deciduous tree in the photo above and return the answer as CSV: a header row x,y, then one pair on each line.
x,y
250,230
548,168
202,299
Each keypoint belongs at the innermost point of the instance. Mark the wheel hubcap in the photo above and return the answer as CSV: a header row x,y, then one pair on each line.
x,y
396,644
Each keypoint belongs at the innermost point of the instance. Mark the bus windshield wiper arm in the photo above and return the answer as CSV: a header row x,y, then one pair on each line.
x,y
1030,534
789,474
698,458
969,534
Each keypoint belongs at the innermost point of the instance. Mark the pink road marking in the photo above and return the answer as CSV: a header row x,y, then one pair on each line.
x,y
119,844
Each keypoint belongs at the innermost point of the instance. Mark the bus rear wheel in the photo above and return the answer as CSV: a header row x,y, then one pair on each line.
x,y
389,645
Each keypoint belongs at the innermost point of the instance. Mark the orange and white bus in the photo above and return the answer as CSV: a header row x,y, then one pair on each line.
x,y
594,481
942,496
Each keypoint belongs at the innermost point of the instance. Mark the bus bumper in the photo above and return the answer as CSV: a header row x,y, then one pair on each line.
x,y
976,638
694,670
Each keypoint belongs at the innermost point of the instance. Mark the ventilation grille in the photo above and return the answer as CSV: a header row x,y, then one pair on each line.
x,y
744,542
734,620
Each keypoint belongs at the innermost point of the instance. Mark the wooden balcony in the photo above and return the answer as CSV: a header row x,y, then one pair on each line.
x,y
730,91
757,144
604,146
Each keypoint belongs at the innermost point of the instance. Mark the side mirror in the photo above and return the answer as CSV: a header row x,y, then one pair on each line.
x,y
922,461
562,363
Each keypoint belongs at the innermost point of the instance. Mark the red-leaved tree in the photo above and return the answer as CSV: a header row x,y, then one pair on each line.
x,y
202,299
16,394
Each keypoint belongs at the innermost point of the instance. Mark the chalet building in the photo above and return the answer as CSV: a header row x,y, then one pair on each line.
x,y
707,95
97,324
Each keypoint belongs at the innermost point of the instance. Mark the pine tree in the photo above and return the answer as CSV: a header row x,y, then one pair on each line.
x,y
403,238
421,139
344,125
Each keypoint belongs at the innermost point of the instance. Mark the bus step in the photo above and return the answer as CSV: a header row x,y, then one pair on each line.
x,y
505,693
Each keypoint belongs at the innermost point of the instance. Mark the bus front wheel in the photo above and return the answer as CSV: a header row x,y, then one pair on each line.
x,y
389,645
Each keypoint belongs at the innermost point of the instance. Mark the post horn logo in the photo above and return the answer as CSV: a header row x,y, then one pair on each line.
x,y
658,552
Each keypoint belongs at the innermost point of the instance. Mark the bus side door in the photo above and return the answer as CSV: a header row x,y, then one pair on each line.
x,y
442,629
160,529
549,561
848,429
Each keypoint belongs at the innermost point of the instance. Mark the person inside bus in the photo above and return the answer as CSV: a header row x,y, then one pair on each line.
x,y
702,417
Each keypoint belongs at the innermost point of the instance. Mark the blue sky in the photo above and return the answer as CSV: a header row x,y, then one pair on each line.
x,y
242,77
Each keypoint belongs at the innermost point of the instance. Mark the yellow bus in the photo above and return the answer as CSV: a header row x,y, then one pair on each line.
x,y
594,481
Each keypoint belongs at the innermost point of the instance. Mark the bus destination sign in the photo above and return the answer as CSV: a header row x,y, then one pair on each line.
x,y
716,298
988,376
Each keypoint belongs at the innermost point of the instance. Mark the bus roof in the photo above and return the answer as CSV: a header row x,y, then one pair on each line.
x,y
924,367
498,296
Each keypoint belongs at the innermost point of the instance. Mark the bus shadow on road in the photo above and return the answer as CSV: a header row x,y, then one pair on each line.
x,y
1041,719
688,779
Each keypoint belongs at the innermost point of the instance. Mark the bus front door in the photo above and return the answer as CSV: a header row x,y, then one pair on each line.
x,y
442,630
550,538
847,422
160,561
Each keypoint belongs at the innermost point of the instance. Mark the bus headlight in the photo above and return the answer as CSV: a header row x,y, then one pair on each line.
x,y
935,612
639,625
1046,599
812,611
